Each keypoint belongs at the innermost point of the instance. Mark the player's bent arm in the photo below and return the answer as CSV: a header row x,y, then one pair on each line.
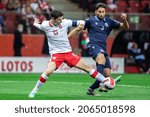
x,y
76,30
80,22
124,24
37,24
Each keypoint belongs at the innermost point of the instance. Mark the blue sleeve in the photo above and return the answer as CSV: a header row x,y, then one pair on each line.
x,y
87,24
115,24
74,23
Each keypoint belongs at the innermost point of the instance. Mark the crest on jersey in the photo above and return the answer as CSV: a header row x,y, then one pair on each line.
x,y
96,23
106,24
55,32
60,26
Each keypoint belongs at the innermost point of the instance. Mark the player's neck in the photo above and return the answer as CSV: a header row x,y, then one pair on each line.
x,y
53,23
100,18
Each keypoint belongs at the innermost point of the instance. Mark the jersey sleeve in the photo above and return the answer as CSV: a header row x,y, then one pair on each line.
x,y
73,23
115,24
87,24
39,26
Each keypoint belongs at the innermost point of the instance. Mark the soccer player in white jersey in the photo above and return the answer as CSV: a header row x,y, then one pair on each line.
x,y
59,48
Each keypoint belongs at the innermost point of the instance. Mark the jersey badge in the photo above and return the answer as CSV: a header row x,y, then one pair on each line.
x,y
55,32
60,26
106,25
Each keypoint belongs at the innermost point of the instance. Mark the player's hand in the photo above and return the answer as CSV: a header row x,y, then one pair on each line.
x,y
36,20
80,27
123,16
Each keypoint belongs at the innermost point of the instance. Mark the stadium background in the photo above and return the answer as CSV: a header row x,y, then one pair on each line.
x,y
17,85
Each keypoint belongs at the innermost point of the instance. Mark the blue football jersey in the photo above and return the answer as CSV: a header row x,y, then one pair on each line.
x,y
98,30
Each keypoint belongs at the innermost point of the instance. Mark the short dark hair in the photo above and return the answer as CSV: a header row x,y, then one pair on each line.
x,y
98,5
56,14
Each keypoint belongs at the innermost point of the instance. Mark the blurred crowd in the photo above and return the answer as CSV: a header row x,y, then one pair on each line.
x,y
13,12
140,57
17,16
116,5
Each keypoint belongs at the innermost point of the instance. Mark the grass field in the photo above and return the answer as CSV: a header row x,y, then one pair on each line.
x,y
72,87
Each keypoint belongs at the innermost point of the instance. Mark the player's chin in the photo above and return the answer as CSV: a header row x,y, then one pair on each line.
x,y
100,17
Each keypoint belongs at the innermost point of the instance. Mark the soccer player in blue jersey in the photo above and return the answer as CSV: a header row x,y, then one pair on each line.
x,y
99,27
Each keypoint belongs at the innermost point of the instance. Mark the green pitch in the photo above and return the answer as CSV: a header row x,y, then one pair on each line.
x,y
72,87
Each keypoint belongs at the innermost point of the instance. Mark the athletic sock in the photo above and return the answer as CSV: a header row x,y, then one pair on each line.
x,y
40,82
95,74
95,85
100,69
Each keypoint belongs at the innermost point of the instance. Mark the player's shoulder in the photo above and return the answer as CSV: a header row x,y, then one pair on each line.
x,y
108,19
90,18
45,23
66,20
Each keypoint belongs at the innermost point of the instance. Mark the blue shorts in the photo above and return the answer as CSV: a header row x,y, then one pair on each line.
x,y
95,50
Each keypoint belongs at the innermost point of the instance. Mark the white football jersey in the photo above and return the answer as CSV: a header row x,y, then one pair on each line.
x,y
58,41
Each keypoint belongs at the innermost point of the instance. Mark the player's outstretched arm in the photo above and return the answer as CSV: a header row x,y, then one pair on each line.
x,y
76,30
37,24
124,24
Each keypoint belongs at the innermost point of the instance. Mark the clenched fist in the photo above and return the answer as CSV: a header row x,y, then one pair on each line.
x,y
123,16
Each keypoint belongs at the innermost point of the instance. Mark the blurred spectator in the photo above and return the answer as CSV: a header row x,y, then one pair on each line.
x,y
46,8
34,5
21,20
17,6
41,17
137,55
14,5
83,40
2,5
18,44
2,26
30,16
147,58
111,5
146,8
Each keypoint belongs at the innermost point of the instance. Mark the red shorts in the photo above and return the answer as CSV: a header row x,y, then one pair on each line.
x,y
69,58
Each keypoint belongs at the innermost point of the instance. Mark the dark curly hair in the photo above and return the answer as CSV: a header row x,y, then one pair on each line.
x,y
98,5
56,13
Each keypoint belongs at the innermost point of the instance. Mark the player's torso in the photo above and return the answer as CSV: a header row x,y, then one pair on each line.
x,y
56,32
99,30
100,26
57,37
